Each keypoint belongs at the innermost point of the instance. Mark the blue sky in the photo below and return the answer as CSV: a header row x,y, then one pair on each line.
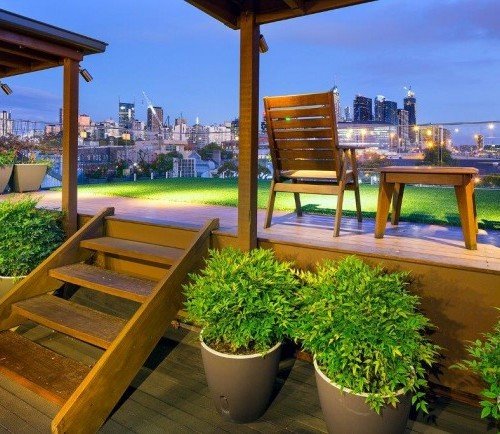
x,y
447,50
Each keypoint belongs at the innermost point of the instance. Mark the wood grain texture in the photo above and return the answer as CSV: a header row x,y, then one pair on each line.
x,y
134,249
42,371
73,319
107,281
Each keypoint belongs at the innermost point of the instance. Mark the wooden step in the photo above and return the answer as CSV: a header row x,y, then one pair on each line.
x,y
80,322
134,249
39,369
107,281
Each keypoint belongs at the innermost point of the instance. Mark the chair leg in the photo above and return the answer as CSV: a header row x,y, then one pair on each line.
x,y
338,212
358,203
397,200
298,206
464,195
270,206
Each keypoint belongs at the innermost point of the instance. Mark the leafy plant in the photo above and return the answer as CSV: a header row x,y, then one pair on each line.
x,y
363,327
486,363
7,157
243,300
28,236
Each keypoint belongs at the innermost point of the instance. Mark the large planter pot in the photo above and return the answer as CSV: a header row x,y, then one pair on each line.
x,y
347,413
7,283
241,386
5,173
28,177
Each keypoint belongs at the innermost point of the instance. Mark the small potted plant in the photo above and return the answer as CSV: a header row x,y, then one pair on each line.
x,y
369,345
28,235
6,164
29,173
485,363
243,302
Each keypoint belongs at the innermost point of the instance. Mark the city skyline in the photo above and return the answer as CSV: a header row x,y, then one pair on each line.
x,y
187,62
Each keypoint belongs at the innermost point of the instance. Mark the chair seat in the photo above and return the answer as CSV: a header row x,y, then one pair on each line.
x,y
430,170
312,174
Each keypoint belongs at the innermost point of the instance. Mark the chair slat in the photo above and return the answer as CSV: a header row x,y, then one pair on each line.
x,y
297,100
309,154
304,134
305,144
300,112
283,124
295,164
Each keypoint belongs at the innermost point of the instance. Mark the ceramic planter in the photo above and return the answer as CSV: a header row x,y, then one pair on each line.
x,y
28,177
5,173
347,412
241,386
7,283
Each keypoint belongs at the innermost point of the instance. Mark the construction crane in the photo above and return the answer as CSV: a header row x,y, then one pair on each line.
x,y
410,93
155,115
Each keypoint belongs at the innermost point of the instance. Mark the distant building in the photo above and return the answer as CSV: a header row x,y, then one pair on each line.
x,y
180,129
198,136
235,129
410,105
386,112
434,135
219,134
362,109
155,123
6,123
381,136
379,108
347,114
51,129
336,103
60,117
403,127
126,115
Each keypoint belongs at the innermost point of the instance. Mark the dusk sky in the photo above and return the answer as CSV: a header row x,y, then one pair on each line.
x,y
447,50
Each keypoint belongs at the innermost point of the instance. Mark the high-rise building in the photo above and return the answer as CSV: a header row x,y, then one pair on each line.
x,y
336,103
155,123
126,114
379,108
390,112
348,114
6,123
403,127
410,105
362,109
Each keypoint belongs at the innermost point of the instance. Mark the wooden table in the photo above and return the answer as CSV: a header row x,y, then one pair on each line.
x,y
392,184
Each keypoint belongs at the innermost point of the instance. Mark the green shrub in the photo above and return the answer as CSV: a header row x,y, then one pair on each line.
x,y
7,158
486,363
243,301
27,236
363,328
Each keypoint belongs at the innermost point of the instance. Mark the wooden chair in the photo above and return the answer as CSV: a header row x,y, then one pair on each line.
x,y
305,151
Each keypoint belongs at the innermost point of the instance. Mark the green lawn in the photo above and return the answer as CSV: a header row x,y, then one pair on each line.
x,y
421,204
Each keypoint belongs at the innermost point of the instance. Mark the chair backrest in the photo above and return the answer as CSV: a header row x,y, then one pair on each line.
x,y
302,132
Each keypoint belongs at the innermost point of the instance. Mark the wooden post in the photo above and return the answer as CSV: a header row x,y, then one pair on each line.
x,y
70,145
249,130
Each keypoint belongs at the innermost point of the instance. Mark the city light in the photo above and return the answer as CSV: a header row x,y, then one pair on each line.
x,y
457,130
491,126
429,133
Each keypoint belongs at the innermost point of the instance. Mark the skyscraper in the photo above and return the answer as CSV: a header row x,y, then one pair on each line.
x,y
379,108
403,127
336,103
348,114
362,109
410,105
126,114
155,123
390,112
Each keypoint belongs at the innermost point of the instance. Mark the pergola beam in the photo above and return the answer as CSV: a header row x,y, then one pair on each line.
x,y
226,11
28,54
295,4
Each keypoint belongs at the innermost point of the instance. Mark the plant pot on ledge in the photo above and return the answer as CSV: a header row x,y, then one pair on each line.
x,y
5,174
241,385
28,177
347,412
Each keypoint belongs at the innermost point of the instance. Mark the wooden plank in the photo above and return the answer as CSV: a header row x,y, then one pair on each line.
x,y
305,144
70,145
223,10
306,164
134,249
307,188
72,319
107,281
300,112
303,100
430,170
313,133
425,178
39,282
309,154
42,371
285,124
114,371
249,131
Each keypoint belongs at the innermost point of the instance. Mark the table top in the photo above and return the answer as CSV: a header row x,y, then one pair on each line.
x,y
431,170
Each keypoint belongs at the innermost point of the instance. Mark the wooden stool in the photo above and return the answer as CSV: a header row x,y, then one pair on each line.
x,y
392,184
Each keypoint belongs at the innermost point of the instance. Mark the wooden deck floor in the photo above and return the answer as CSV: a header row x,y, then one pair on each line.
x,y
170,395
417,242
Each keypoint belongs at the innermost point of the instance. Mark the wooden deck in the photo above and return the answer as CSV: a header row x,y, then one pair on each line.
x,y
170,395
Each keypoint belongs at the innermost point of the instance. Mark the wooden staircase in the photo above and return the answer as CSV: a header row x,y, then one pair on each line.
x,y
110,257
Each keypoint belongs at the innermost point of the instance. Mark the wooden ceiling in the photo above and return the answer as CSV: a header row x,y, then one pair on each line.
x,y
28,45
268,11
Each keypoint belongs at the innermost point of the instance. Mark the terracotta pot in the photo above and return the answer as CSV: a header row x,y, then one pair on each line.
x,y
241,386
347,412
28,177
7,283
5,173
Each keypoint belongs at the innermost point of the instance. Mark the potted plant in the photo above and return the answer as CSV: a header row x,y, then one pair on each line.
x,y
485,363
243,302
29,173
28,235
369,345
6,165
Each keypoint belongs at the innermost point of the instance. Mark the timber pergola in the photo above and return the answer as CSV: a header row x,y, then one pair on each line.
x,y
28,45
247,16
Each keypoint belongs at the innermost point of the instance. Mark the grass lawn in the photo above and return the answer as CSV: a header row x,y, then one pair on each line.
x,y
420,204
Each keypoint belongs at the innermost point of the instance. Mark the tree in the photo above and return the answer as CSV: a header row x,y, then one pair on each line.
x,y
207,152
228,168
437,156
263,171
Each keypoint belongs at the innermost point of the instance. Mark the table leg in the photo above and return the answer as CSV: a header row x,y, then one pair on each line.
x,y
397,200
384,200
475,211
465,203
354,168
